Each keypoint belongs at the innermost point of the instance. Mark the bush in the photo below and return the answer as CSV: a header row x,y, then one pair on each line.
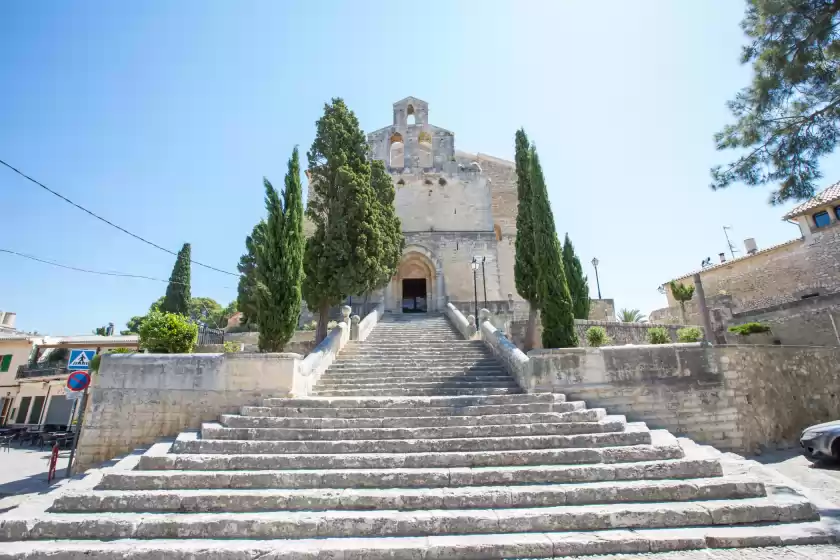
x,y
331,325
233,347
597,336
690,334
310,326
121,351
168,333
658,335
749,328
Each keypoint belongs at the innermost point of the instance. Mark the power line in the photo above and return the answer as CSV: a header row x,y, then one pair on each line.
x,y
100,218
100,272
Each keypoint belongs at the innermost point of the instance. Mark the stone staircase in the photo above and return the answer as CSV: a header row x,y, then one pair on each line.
x,y
416,445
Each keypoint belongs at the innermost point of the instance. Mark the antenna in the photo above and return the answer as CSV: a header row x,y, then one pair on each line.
x,y
732,248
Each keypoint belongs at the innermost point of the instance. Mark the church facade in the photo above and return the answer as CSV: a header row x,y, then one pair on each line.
x,y
454,207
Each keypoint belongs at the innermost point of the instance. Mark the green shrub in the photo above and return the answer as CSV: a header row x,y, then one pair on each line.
x,y
331,325
597,336
58,355
94,363
658,335
233,347
690,334
168,333
121,351
749,328
310,326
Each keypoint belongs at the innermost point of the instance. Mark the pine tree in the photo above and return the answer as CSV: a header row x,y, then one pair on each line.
x,y
351,248
246,289
558,321
177,298
524,268
788,118
578,285
279,262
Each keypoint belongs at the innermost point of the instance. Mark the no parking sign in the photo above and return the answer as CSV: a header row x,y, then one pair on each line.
x,y
78,381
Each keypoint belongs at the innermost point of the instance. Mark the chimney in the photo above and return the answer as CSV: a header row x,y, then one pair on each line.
x,y
750,246
9,319
722,257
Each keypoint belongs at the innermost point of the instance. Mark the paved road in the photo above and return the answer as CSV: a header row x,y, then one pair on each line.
x,y
24,473
824,479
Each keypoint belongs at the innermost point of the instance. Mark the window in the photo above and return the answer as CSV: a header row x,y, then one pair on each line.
x,y
37,408
822,219
837,212
5,362
23,410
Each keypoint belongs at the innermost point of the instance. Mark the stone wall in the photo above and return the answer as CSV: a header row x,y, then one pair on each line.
x,y
138,398
620,333
776,275
807,322
602,310
738,398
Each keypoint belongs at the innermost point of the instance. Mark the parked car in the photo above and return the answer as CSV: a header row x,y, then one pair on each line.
x,y
821,442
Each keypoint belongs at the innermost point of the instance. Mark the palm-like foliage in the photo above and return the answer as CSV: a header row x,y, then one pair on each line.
x,y
631,316
682,293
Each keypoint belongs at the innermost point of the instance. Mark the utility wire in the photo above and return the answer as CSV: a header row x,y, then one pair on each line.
x,y
100,272
98,217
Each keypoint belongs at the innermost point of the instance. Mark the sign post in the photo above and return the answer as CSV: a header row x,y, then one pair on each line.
x,y
79,380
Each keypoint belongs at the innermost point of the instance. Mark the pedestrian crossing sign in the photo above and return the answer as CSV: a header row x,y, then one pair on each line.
x,y
80,359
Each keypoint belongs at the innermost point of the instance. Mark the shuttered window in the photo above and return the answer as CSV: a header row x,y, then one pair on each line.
x,y
5,362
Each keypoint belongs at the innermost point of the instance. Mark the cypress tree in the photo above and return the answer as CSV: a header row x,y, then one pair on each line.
x,y
246,289
177,298
578,285
392,238
524,268
279,269
346,253
558,322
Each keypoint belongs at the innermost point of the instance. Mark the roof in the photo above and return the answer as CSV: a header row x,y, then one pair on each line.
x,y
16,336
739,259
93,339
831,194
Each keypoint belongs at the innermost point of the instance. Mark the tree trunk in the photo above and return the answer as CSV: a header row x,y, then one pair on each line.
x,y
323,319
531,332
682,312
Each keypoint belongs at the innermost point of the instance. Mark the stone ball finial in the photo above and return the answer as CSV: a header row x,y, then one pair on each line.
x,y
471,319
483,315
345,313
355,319
510,296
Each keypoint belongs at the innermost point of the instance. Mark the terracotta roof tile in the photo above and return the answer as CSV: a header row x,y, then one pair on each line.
x,y
830,194
739,259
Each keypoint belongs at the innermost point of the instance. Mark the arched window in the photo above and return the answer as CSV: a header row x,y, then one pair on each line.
x,y
396,152
498,231
410,119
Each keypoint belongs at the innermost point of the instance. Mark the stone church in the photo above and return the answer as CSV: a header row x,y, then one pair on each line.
x,y
454,207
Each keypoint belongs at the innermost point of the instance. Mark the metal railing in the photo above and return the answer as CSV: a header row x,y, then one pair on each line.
x,y
47,369
206,335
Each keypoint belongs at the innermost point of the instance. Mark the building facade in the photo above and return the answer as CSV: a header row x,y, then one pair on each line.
x,y
454,206
793,284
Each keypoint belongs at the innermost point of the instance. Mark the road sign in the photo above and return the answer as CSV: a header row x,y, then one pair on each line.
x,y
73,395
80,359
78,381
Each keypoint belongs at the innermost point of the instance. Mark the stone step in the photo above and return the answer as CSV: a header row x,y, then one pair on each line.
x,y
377,364
238,421
414,402
233,440
403,383
445,547
381,523
348,368
365,379
388,343
439,411
606,425
445,351
471,497
189,452
416,392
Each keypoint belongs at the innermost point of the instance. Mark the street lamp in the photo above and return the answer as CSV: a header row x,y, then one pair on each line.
x,y
482,259
597,281
474,265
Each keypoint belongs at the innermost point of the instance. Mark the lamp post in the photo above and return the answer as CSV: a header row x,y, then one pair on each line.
x,y
483,277
597,280
474,266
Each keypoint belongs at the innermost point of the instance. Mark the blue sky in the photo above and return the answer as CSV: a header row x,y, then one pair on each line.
x,y
164,117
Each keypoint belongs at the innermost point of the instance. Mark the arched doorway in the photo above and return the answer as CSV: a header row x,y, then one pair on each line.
x,y
416,286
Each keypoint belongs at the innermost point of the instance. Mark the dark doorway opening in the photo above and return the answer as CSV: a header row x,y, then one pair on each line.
x,y
414,295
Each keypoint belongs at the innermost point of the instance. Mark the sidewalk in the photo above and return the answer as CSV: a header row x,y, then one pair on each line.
x,y
24,472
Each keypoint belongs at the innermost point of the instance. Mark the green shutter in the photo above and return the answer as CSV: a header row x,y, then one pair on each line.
x,y
5,363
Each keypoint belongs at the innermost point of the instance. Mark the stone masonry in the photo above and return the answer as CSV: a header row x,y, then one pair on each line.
x,y
416,444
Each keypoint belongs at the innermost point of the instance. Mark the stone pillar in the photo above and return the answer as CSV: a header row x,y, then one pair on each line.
x,y
345,314
354,327
439,305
